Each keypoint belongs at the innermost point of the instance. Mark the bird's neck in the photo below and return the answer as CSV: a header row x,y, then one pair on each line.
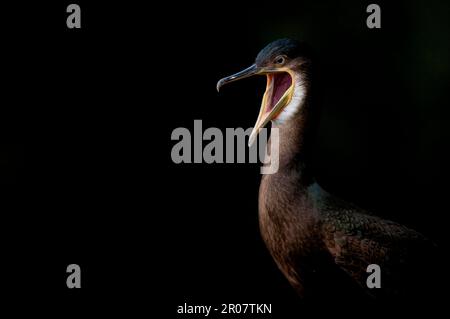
x,y
295,142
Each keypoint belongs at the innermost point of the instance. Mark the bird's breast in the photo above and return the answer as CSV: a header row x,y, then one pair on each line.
x,y
287,217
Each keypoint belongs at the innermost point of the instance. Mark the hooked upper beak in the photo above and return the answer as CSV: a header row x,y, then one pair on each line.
x,y
270,108
248,72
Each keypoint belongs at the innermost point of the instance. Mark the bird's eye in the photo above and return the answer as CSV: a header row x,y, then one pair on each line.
x,y
279,60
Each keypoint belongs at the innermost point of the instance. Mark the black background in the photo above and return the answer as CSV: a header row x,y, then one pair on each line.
x,y
85,167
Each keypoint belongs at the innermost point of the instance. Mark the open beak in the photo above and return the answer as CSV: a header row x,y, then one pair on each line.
x,y
279,92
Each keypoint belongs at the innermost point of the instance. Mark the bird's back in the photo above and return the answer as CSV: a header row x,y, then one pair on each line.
x,y
357,239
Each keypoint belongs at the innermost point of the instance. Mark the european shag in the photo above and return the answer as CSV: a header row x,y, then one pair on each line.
x,y
313,236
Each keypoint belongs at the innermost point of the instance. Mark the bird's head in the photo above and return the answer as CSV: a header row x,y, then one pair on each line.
x,y
285,63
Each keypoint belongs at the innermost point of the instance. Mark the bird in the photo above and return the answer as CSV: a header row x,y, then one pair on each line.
x,y
315,238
